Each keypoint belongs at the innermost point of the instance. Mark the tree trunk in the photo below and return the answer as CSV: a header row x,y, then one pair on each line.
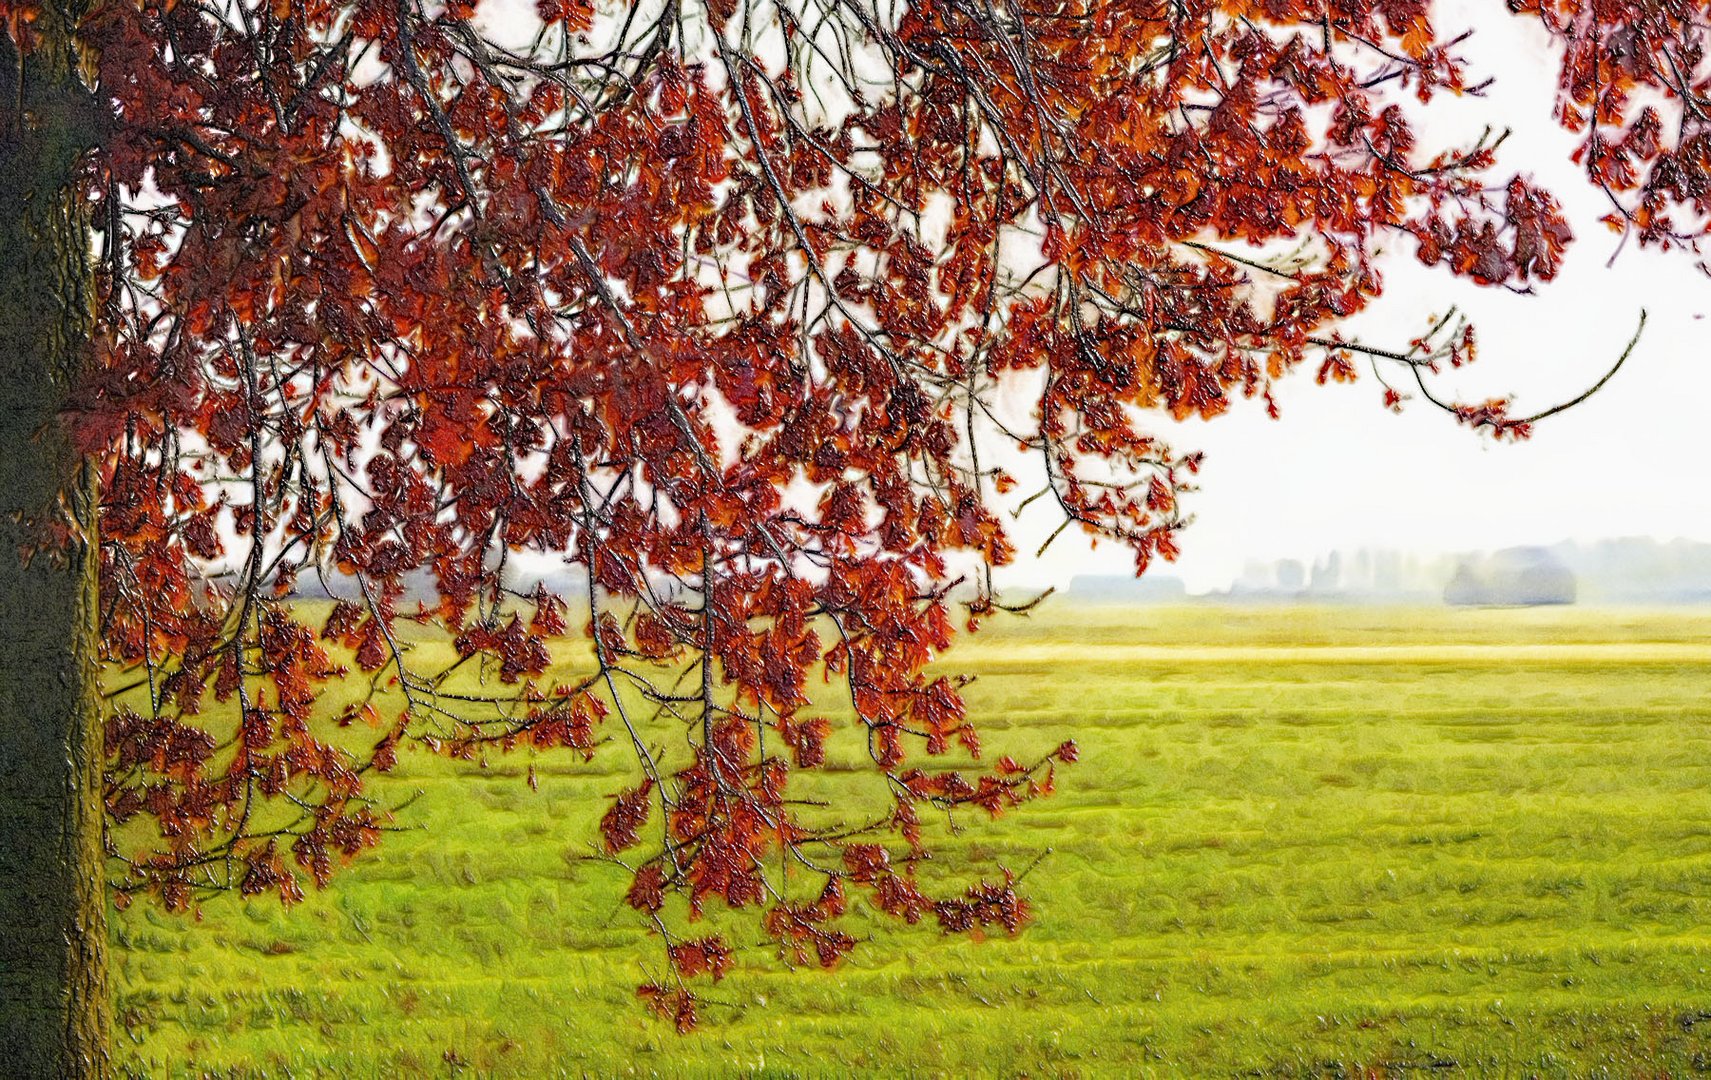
x,y
54,1002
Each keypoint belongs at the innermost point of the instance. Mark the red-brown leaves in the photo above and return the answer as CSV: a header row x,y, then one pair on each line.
x,y
866,863
265,870
985,904
622,823
707,955
164,746
1541,234
647,890
807,740
575,15
803,927
674,1005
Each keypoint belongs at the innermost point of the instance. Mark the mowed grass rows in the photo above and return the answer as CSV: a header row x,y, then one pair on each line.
x,y
1385,855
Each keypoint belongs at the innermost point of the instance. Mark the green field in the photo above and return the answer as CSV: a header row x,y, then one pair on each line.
x,y
1300,842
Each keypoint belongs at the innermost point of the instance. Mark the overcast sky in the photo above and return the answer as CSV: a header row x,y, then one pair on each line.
x,y
1338,471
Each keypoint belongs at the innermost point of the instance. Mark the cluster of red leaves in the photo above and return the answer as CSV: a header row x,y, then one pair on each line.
x,y
673,1003
388,300
1635,85
801,928
984,904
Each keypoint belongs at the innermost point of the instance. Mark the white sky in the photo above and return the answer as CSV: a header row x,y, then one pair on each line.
x,y
1338,471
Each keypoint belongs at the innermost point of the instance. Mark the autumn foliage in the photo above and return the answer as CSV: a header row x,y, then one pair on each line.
x,y
729,306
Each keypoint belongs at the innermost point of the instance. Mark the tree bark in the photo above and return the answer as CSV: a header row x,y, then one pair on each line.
x,y
54,999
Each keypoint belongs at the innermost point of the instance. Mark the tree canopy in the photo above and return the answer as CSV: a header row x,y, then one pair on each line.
x,y
731,306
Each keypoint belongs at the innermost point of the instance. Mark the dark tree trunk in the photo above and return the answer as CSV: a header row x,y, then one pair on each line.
x,y
54,1002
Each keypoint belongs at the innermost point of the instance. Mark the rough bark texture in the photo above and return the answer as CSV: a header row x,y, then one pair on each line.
x,y
54,1002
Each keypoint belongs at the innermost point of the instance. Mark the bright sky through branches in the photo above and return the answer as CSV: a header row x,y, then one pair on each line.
x,y
1339,472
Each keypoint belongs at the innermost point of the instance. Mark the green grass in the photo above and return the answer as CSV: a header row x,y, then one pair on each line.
x,y
1392,855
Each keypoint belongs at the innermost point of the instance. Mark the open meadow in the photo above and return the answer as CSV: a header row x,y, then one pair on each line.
x,y
1300,841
